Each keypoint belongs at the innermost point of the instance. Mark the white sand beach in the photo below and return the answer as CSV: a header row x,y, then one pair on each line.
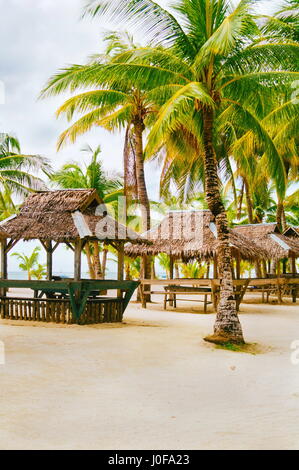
x,y
151,383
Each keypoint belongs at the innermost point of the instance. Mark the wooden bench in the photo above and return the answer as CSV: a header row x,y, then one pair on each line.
x,y
203,287
284,285
171,292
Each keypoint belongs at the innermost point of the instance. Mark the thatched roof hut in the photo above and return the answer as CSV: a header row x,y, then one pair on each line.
x,y
190,235
65,215
269,237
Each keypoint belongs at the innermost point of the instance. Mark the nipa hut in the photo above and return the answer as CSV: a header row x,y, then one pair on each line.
x,y
65,216
72,217
268,236
191,235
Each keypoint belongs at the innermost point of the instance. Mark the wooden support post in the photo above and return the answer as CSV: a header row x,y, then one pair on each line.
x,y
3,259
208,270
215,267
238,266
146,274
284,265
294,271
120,265
171,266
77,260
3,246
294,289
153,271
273,267
171,271
49,261
264,265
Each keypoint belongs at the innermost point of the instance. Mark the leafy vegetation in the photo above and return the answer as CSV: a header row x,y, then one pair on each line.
x,y
30,264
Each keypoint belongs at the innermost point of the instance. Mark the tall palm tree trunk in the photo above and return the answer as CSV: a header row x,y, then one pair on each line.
x,y
227,327
128,276
141,185
280,216
249,204
142,195
97,261
89,261
104,261
240,202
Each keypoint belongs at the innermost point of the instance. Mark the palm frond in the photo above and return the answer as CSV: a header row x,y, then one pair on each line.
x,y
156,23
108,99
173,112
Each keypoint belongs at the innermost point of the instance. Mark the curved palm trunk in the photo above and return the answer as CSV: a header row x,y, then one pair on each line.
x,y
227,327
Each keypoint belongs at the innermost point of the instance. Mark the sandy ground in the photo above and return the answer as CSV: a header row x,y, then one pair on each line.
x,y
151,383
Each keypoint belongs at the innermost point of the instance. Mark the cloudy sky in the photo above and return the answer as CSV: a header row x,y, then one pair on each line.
x,y
38,37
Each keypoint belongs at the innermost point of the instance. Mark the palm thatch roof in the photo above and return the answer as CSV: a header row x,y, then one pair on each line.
x,y
269,237
191,235
3,233
65,215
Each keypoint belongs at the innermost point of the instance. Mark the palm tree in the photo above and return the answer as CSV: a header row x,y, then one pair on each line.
x,y
285,22
164,262
289,210
39,272
193,270
112,104
217,70
281,124
28,263
18,171
74,175
7,205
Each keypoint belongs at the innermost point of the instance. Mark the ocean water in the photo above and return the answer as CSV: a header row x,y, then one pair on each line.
x,y
23,275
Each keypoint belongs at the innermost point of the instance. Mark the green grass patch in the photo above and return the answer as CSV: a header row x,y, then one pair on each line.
x,y
252,348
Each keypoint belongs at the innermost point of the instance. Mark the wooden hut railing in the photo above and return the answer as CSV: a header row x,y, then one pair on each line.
x,y
67,301
59,310
279,286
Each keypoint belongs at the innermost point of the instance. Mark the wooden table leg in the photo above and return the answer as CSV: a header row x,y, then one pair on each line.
x,y
142,296
279,296
294,294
